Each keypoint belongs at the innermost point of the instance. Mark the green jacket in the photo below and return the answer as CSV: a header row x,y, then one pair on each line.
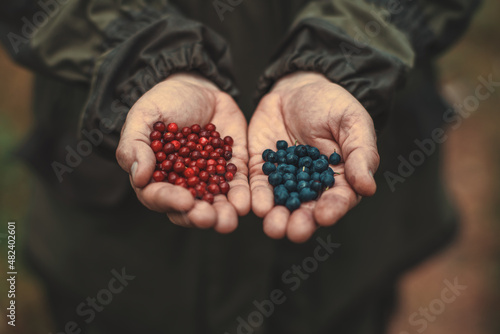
x,y
94,59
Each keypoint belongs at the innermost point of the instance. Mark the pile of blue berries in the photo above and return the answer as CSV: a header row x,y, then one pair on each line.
x,y
298,173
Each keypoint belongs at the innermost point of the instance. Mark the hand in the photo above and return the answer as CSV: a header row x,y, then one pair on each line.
x,y
185,99
306,107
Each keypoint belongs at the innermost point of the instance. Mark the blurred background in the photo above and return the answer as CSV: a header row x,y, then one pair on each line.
x,y
471,169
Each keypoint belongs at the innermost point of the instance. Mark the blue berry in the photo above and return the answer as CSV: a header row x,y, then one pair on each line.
x,y
304,169
306,195
302,184
315,176
281,197
294,194
292,203
291,169
301,151
275,178
320,165
291,185
330,171
292,159
305,162
281,145
327,180
324,157
289,176
303,176
265,153
279,188
281,168
268,168
334,158
313,152
315,185
272,157
291,149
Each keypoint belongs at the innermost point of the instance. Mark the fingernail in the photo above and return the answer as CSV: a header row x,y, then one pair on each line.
x,y
133,169
371,174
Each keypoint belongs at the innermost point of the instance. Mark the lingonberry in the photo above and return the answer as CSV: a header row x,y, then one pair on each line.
x,y
210,169
179,181
229,176
172,157
191,163
220,169
184,151
168,148
203,141
193,180
188,172
158,176
192,191
214,179
155,135
179,135
166,165
205,154
204,175
214,155
227,155
224,187
231,168
221,161
215,134
172,127
191,145
195,128
208,197
172,176
186,131
201,163
183,141
159,126
228,140
211,162
195,155
204,134
196,170
177,144
160,156
179,167
227,148
210,127
193,137
216,142
180,159
156,145
168,137
219,150
213,188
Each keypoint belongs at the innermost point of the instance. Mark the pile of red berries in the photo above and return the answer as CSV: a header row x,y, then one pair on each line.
x,y
194,158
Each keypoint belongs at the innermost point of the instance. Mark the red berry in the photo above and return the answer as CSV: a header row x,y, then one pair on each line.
x,y
214,155
191,145
227,148
193,137
196,170
179,135
183,141
158,176
210,127
211,162
193,180
220,169
180,159
196,128
221,161
192,191
172,176
216,142
215,134
231,168
208,197
156,145
199,147
219,150
204,134
179,167
200,190
155,135
172,127
228,140
172,157
188,172
159,126
192,163
224,187
213,188
227,155
229,176
168,137
184,152
203,141
179,181
176,144
195,155
204,175
204,154
210,169
209,148
201,163
160,156
166,165
215,179
186,131
168,148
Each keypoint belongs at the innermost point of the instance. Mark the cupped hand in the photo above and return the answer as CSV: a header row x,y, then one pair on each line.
x,y
307,108
185,99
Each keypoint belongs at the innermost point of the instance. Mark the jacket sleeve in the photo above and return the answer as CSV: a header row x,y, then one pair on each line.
x,y
368,46
120,49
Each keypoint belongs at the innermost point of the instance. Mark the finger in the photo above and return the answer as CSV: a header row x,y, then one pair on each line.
x,y
261,190
335,203
359,149
134,153
275,222
202,215
227,218
165,197
239,193
179,218
301,224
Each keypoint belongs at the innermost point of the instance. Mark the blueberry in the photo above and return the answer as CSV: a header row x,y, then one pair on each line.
x,y
320,165
302,184
294,194
291,149
292,203
291,185
291,169
271,156
301,151
268,168
315,185
313,152
281,145
281,160
281,197
334,158
305,162
275,178
289,176
330,171
303,176
292,159
327,180
324,157
315,176
281,153
265,153
306,195
279,188
304,169
281,168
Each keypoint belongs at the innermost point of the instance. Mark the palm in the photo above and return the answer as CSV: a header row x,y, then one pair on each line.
x,y
306,115
185,103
